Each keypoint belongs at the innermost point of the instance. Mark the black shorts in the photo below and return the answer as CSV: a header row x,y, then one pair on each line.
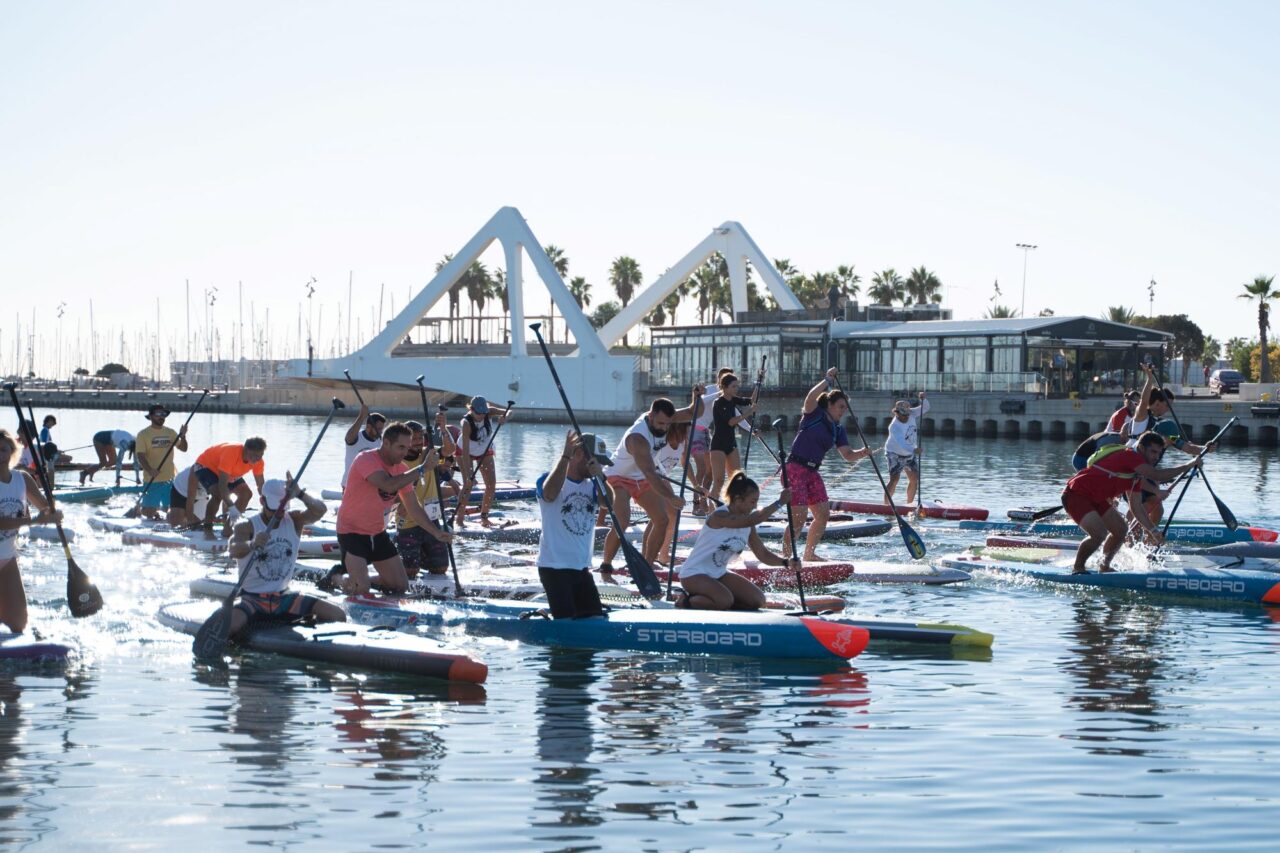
x,y
177,500
371,549
571,593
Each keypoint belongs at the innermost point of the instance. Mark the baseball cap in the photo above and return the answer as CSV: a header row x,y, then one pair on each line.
x,y
273,492
596,447
480,405
902,407
158,409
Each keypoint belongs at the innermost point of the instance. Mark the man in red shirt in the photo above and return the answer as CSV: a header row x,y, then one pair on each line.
x,y
1089,495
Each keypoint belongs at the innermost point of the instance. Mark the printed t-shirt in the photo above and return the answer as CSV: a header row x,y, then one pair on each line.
x,y
568,525
1109,477
364,506
229,459
153,443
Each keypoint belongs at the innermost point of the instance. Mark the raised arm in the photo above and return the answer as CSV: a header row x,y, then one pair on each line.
x,y
353,431
811,399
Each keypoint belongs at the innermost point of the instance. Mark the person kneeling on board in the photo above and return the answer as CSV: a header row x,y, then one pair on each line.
x,y
17,490
729,529
567,503
272,557
422,546
1089,494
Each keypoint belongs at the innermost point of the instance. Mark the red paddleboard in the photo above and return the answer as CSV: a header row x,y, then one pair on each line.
x,y
930,509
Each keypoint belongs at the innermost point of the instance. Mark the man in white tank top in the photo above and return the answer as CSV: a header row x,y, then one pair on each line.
x,y
635,475
567,502
268,558
364,434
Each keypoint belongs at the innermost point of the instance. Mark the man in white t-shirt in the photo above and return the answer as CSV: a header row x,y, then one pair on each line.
x,y
567,502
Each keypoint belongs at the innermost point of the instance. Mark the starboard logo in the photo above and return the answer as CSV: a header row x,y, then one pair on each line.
x,y
672,636
1195,585
844,641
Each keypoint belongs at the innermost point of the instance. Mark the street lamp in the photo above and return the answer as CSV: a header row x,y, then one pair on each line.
x,y
1151,298
1026,249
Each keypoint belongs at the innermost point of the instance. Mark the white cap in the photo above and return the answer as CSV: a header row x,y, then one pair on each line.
x,y
273,493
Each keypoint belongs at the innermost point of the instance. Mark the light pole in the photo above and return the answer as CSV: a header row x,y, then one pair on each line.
x,y
1026,250
1151,298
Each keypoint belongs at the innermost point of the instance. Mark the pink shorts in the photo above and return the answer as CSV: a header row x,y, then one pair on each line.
x,y
701,440
634,488
807,488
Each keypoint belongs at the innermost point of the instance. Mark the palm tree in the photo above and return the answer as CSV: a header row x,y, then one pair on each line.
x,y
624,277
1121,314
848,279
1211,351
580,289
560,261
887,287
499,292
1000,312
704,280
455,293
478,285
1262,290
672,304
923,286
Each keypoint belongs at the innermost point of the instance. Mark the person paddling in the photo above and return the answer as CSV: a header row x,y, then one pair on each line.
x,y
727,411
1088,497
422,546
220,469
185,497
365,433
701,448
478,429
17,490
567,502
820,429
273,555
153,448
111,445
705,576
902,449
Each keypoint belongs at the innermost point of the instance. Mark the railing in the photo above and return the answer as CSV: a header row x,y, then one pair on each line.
x,y
959,383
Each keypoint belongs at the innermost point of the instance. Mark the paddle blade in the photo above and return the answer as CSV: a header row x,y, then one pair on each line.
x,y
211,640
1228,517
83,598
914,543
641,572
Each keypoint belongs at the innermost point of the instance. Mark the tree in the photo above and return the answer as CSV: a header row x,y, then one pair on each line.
x,y
672,304
1045,312
455,292
580,289
1000,312
558,259
1273,362
478,285
81,371
1238,355
887,287
111,368
1262,290
605,312
1188,339
1211,351
923,286
1121,314
848,279
624,278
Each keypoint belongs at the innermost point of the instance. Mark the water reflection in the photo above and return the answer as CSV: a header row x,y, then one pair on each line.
x,y
568,784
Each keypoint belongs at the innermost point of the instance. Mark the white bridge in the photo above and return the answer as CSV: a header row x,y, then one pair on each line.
x,y
594,379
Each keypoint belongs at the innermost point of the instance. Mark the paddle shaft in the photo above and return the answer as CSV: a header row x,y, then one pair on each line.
x,y
1191,476
168,452
791,529
352,382
684,479
1228,517
755,398
426,422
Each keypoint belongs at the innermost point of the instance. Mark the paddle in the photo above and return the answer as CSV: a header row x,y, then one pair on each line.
x,y
426,421
1228,517
915,545
1169,519
137,507
755,396
684,479
83,598
641,572
697,491
352,382
920,463
791,530
473,465
211,639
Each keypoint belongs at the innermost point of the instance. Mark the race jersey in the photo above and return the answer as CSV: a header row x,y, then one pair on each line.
x,y
364,506
568,525
425,491
229,459
816,435
363,443
904,437
13,504
715,548
153,444
624,464
274,565
1109,477
479,434
1118,419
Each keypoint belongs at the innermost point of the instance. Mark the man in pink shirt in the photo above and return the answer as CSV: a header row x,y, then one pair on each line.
x,y
376,480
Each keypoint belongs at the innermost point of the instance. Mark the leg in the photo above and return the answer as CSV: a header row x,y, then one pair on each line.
x,y
664,542
701,476
243,494
656,508
13,597
391,575
799,516
892,486
707,593
490,486
357,582
622,509
732,463
717,472
327,611
1117,528
464,492
1097,529
821,512
238,620
913,481
746,595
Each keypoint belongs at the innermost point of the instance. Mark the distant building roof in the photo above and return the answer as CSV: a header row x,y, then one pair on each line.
x,y
1074,328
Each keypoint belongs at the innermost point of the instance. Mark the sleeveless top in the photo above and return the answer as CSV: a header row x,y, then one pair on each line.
x,y
363,443
13,504
479,432
624,464
273,569
715,548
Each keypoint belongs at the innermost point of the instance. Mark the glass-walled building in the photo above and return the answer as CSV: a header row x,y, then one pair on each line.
x,y
1044,356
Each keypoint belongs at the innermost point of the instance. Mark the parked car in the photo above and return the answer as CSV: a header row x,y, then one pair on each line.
x,y
1225,382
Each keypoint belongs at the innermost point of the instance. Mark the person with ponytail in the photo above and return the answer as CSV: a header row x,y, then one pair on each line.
x,y
728,410
708,584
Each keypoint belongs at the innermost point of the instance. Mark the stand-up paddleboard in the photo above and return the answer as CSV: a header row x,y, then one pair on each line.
x,y
929,509
1205,581
341,643
509,490
141,531
826,573
81,494
24,648
1203,533
47,533
840,527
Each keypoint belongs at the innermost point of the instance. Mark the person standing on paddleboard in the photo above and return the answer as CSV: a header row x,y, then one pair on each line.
x,y
220,470
111,445
902,449
422,546
478,429
378,480
635,474
708,584
272,557
820,429
701,449
1089,495
567,502
727,412
17,490
365,433
154,443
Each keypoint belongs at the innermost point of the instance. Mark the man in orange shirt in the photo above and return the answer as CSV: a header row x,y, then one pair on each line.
x,y
221,469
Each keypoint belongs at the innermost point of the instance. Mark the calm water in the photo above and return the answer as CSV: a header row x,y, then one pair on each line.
x,y
1096,719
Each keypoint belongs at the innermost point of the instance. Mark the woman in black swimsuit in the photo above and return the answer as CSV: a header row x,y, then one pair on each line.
x,y
727,412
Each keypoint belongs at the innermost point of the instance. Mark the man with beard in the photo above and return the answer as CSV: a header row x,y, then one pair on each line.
x,y
272,557
422,546
567,503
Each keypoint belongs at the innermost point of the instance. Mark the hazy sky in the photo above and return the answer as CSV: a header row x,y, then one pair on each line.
x,y
142,144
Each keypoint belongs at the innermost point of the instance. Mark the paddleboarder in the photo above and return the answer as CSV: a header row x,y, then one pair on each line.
x,y
154,445
567,502
902,449
272,558
476,454
820,429
365,433
17,490
111,445
727,411
220,469
1089,495
422,546
185,496
701,448
705,576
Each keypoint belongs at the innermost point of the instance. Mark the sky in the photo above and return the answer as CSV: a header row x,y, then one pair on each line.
x,y
252,147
